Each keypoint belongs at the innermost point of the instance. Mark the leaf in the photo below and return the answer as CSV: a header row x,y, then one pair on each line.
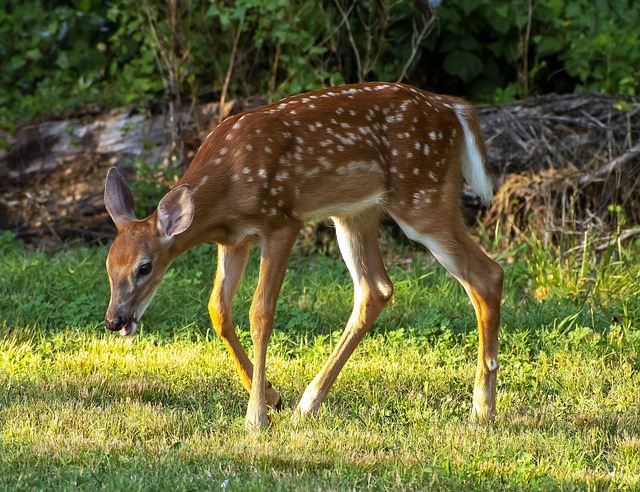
x,y
15,64
463,64
63,61
549,45
501,18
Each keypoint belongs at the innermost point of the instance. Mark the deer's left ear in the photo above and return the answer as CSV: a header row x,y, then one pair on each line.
x,y
118,198
175,211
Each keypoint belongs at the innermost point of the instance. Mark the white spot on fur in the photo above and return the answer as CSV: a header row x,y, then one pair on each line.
x,y
325,163
282,176
354,167
202,182
313,172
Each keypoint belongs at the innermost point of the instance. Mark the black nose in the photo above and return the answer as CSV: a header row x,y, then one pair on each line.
x,y
114,324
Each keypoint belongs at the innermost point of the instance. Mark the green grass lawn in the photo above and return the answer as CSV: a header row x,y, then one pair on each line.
x,y
82,409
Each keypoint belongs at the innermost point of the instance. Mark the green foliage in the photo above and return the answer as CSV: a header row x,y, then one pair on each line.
x,y
504,49
59,55
600,46
9,243
49,57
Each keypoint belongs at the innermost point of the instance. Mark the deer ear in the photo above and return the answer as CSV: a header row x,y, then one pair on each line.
x,y
118,198
175,211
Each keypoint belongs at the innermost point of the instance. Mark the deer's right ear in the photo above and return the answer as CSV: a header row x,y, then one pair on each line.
x,y
118,198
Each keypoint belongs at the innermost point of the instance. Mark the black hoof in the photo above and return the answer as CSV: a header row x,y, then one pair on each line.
x,y
278,406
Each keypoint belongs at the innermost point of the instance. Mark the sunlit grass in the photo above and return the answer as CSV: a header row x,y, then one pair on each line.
x,y
84,409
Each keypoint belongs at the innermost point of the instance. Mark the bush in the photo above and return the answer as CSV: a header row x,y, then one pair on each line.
x,y
503,49
59,55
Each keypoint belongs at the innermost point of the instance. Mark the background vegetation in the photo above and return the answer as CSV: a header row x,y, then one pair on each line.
x,y
57,55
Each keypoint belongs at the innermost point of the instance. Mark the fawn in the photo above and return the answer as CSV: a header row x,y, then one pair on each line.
x,y
352,153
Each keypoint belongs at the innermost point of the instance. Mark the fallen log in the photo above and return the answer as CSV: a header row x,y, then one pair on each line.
x,y
564,164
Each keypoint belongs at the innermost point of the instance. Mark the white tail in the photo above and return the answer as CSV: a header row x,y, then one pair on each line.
x,y
352,153
474,165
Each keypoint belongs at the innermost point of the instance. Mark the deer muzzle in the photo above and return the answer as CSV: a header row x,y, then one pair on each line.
x,y
126,328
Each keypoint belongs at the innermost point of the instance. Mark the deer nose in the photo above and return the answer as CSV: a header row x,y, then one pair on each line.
x,y
114,324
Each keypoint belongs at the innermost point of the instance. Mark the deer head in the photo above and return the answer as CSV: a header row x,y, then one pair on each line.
x,y
141,251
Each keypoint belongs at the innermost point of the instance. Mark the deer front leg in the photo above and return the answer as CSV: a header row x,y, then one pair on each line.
x,y
273,264
231,266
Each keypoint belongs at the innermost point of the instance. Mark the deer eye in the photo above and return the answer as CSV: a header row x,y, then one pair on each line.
x,y
144,269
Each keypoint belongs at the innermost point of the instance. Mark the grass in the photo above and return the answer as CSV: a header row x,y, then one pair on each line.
x,y
82,409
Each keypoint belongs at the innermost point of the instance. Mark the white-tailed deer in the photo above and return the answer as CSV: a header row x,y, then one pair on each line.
x,y
351,153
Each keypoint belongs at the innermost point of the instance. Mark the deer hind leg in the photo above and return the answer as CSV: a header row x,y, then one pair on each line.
x,y
231,266
358,241
482,279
